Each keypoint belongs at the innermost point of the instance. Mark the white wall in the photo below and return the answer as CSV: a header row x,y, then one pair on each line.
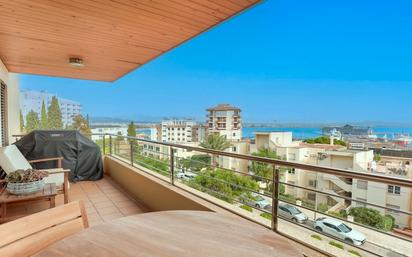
x,y
13,100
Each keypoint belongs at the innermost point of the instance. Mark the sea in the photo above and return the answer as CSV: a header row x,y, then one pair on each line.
x,y
304,133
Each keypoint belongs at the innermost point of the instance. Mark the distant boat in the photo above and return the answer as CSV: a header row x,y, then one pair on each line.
x,y
348,130
334,133
403,140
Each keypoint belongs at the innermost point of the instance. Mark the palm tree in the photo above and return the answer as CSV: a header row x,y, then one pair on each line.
x,y
215,142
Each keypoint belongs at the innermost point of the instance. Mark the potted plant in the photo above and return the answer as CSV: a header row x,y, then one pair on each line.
x,y
21,182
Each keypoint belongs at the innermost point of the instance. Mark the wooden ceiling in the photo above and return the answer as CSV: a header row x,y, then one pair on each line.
x,y
113,37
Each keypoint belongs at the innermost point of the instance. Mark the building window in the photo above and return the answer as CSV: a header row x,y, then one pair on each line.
x,y
362,184
3,114
313,183
396,190
291,171
312,196
234,149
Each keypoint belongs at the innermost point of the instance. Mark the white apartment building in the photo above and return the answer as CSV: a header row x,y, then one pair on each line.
x,y
107,129
342,158
32,100
177,131
226,121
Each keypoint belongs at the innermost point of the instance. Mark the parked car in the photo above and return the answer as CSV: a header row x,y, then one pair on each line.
x,y
340,230
185,175
256,200
291,212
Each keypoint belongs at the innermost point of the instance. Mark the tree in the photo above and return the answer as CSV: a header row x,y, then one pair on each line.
x,y
324,140
32,121
372,217
223,184
131,130
215,142
54,115
196,162
21,122
43,116
263,169
80,124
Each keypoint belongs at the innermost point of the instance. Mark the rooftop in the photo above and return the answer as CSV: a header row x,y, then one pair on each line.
x,y
224,107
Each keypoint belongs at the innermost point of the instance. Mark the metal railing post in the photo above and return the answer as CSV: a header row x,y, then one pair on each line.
x,y
275,197
131,142
172,166
104,144
110,144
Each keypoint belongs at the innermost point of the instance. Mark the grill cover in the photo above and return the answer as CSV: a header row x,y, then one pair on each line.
x,y
81,155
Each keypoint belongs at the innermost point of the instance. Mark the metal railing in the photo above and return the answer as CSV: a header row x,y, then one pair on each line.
x,y
142,152
167,161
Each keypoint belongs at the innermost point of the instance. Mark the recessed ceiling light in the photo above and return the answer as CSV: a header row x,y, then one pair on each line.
x,y
76,62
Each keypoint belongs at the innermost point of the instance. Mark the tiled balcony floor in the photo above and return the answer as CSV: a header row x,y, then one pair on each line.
x,y
104,200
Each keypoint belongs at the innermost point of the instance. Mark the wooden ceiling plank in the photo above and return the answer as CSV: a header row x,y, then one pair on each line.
x,y
113,37
70,37
163,10
78,22
143,18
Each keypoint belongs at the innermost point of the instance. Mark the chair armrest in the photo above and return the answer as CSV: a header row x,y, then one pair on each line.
x,y
60,171
58,159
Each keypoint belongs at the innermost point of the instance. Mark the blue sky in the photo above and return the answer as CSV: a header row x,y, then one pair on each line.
x,y
283,60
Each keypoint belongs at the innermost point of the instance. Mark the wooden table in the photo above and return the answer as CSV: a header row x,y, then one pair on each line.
x,y
48,193
174,233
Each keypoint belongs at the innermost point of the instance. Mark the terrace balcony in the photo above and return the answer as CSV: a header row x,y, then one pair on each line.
x,y
130,35
136,183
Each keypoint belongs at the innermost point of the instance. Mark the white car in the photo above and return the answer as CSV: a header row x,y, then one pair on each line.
x,y
291,212
255,200
185,175
339,230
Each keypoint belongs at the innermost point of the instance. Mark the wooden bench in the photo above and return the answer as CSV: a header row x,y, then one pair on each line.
x,y
29,235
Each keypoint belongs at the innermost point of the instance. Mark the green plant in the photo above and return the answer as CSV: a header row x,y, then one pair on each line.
x,y
372,217
266,215
215,142
324,140
196,162
323,207
340,214
247,208
318,237
223,184
336,244
387,223
287,198
355,253
263,169
307,204
26,176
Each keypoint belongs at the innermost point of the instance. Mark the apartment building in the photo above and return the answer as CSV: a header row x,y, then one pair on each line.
x,y
33,100
177,131
114,129
180,131
342,158
225,120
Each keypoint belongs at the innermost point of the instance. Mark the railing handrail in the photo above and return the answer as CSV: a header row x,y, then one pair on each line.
x,y
313,168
